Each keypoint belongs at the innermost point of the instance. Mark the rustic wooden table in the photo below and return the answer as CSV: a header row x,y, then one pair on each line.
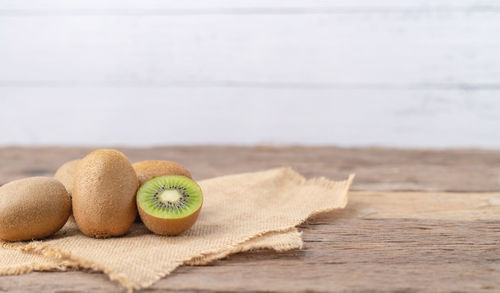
x,y
417,221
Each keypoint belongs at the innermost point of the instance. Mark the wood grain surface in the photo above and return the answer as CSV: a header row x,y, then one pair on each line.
x,y
375,168
343,72
384,241
396,44
265,115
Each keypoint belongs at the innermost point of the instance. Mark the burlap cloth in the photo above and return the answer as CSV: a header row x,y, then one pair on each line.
x,y
240,213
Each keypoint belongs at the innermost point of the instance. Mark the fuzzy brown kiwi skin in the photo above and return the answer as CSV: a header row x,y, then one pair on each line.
x,y
66,174
33,208
104,194
169,227
147,170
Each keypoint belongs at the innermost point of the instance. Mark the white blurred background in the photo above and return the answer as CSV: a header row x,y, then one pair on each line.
x,y
405,73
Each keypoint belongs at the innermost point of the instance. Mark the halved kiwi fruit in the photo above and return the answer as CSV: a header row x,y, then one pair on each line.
x,y
169,205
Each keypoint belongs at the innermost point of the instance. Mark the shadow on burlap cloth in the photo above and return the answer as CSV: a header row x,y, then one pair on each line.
x,y
240,213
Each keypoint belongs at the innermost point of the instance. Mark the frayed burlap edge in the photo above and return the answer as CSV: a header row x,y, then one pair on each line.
x,y
294,242
67,260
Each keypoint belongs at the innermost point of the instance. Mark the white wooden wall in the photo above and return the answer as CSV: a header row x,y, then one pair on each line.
x,y
411,73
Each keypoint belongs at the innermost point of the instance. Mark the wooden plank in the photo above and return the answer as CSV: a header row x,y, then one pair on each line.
x,y
363,255
420,44
346,251
166,116
358,5
376,168
384,241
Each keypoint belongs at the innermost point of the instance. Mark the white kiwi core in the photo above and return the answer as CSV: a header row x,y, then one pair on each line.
x,y
170,195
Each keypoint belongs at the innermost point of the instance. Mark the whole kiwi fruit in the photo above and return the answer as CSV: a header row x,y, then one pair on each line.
x,y
104,194
147,170
33,208
66,175
169,205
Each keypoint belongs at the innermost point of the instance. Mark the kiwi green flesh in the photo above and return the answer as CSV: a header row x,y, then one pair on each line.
x,y
170,197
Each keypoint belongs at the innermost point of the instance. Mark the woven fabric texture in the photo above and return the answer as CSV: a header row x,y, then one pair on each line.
x,y
240,213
